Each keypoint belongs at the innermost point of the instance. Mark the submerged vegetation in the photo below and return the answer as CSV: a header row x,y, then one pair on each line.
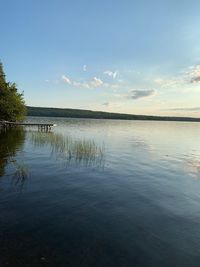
x,y
20,172
12,105
84,152
67,149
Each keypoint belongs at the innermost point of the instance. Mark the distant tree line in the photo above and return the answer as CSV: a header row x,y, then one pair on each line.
x,y
12,105
12,108
78,113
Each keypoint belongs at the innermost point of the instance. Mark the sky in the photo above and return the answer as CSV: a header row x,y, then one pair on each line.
x,y
127,56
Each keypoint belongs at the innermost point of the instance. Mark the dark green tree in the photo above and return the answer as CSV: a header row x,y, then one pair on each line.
x,y
12,105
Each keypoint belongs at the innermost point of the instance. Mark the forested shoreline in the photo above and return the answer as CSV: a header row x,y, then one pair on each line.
x,y
79,113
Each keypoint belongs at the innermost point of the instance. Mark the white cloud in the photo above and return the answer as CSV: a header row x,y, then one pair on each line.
x,y
195,70
193,74
93,83
80,85
111,73
166,82
66,79
96,82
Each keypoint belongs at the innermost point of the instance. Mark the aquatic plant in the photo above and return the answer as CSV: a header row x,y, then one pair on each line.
x,y
20,173
81,151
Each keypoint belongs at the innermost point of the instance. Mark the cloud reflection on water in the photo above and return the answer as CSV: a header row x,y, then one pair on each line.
x,y
192,167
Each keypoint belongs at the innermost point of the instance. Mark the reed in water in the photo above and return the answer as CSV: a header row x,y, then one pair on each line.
x,y
80,151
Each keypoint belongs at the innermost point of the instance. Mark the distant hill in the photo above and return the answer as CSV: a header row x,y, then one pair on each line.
x,y
79,113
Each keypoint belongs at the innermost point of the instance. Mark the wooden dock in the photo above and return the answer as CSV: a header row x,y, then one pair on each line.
x,y
46,127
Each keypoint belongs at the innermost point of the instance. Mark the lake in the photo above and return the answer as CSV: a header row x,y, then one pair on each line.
x,y
100,193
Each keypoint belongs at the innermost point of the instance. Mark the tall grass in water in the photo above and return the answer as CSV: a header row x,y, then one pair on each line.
x,y
20,174
83,152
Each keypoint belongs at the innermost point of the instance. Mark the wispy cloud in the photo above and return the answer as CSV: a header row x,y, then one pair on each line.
x,y
112,104
138,94
112,74
84,67
185,109
187,76
66,79
195,70
194,74
167,82
106,104
93,83
195,79
96,82
83,85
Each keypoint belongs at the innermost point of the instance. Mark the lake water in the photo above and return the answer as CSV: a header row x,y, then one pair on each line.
x,y
100,193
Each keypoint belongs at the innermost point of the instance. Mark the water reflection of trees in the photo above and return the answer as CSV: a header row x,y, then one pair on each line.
x,y
11,141
70,150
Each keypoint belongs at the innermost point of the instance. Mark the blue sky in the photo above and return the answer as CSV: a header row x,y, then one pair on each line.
x,y
128,56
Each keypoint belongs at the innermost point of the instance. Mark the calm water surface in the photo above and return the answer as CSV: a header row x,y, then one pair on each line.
x,y
100,193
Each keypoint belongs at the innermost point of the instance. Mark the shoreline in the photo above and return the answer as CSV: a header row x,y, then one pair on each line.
x,y
89,114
